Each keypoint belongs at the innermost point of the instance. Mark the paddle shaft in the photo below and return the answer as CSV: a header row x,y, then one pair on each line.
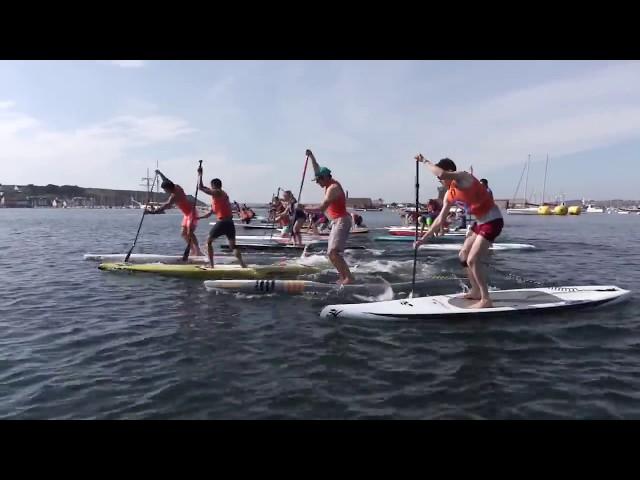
x,y
415,250
144,212
185,255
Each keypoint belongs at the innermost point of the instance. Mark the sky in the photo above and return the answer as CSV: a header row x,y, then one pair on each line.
x,y
103,123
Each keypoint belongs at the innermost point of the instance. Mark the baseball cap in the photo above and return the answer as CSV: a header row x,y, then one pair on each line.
x,y
323,172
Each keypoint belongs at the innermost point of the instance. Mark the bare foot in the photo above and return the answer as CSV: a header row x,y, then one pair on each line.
x,y
486,303
472,295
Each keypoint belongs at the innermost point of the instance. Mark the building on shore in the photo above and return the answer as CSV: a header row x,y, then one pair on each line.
x,y
357,202
13,199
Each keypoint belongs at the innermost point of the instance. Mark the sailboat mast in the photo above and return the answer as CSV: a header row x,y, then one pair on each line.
x,y
544,187
155,196
526,182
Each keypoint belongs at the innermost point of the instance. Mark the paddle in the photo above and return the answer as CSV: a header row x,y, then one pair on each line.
x,y
144,212
293,213
415,250
185,255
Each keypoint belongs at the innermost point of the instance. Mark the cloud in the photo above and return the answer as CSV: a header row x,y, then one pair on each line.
x,y
93,155
251,122
128,63
562,117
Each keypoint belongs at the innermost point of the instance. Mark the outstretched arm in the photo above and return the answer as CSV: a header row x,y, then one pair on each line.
x,y
206,215
161,175
165,205
463,179
314,162
435,226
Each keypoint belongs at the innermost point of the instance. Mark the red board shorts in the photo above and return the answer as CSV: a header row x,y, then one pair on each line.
x,y
489,230
190,221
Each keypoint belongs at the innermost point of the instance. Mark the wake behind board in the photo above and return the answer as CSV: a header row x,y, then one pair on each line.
x,y
219,272
450,247
524,300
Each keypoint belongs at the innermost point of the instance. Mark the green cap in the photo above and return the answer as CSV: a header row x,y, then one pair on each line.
x,y
323,172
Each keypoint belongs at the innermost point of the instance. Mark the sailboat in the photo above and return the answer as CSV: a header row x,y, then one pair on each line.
x,y
149,204
526,210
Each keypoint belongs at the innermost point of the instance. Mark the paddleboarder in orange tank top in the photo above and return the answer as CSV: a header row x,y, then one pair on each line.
x,y
464,187
178,198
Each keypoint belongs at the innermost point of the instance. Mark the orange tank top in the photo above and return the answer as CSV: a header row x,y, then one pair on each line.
x,y
182,202
337,208
221,206
476,197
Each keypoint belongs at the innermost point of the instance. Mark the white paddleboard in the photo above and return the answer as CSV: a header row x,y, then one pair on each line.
x,y
261,226
504,301
294,287
457,233
279,239
449,247
326,232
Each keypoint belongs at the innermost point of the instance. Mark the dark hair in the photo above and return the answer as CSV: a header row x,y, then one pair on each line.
x,y
168,185
447,164
216,182
484,182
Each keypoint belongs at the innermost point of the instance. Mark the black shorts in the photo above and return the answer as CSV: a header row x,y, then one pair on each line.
x,y
223,227
300,215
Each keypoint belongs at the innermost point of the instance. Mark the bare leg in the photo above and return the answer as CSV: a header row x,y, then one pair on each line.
x,y
474,293
210,251
479,250
236,252
343,269
184,233
195,246
297,236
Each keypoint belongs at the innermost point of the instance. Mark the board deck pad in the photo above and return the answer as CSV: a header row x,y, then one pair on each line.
x,y
512,299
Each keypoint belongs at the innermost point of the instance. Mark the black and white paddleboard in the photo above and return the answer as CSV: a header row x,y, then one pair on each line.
x,y
504,301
